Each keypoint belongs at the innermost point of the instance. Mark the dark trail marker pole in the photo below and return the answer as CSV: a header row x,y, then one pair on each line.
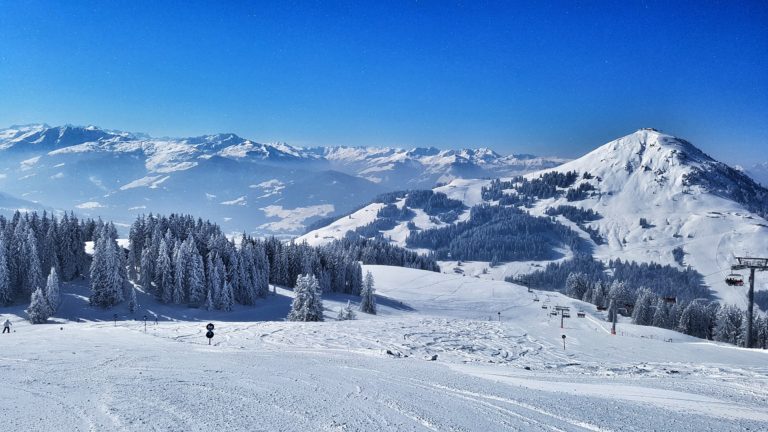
x,y
115,318
563,341
145,323
499,316
209,334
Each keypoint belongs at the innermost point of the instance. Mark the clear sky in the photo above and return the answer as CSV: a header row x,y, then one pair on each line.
x,y
549,78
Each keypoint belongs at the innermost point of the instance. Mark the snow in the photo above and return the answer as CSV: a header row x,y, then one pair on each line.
x,y
29,163
151,182
292,219
90,205
338,229
262,373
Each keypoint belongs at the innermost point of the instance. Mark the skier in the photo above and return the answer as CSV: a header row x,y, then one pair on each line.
x,y
7,326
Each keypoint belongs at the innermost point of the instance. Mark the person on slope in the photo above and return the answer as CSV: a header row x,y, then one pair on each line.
x,y
7,326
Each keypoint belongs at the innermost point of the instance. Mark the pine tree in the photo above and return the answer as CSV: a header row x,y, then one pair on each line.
x,y
67,255
349,313
208,302
226,299
106,282
32,275
643,311
6,290
180,259
38,310
52,290
576,285
307,303
146,271
133,303
728,324
196,279
164,273
367,298
661,315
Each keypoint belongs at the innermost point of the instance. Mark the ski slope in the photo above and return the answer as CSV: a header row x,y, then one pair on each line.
x,y
500,366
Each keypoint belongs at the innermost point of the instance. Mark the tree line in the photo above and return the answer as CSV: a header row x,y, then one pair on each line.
x,y
32,246
697,317
507,233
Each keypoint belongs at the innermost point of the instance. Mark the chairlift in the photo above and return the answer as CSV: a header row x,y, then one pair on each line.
x,y
734,279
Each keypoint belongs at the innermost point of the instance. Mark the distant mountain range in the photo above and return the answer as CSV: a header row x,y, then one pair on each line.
x,y
241,184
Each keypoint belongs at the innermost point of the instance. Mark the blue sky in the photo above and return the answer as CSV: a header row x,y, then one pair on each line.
x,y
551,78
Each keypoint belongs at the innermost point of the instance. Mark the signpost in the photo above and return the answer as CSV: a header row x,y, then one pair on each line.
x,y
499,316
209,334
563,341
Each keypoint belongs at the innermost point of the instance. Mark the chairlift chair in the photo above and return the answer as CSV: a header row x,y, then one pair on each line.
x,y
734,279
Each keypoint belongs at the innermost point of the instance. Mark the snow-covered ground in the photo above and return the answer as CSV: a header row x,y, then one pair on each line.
x,y
500,366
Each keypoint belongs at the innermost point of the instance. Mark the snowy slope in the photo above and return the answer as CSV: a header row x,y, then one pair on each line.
x,y
239,183
275,375
689,200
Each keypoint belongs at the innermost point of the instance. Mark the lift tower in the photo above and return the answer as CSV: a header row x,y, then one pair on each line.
x,y
753,264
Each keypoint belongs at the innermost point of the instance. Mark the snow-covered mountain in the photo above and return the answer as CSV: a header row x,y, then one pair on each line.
x,y
657,198
239,183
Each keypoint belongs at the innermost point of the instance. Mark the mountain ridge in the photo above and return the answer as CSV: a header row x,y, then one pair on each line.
x,y
114,174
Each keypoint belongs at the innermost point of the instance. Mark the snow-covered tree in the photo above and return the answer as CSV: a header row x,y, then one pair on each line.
x,y
367,297
661,315
209,306
133,303
32,274
6,290
576,285
106,280
307,303
38,311
643,311
146,271
346,312
164,273
695,319
226,298
620,294
728,325
52,290
180,259
196,278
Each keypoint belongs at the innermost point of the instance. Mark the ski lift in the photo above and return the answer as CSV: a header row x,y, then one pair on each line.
x,y
734,279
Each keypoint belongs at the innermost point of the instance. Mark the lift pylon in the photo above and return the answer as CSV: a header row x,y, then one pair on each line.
x,y
752,264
